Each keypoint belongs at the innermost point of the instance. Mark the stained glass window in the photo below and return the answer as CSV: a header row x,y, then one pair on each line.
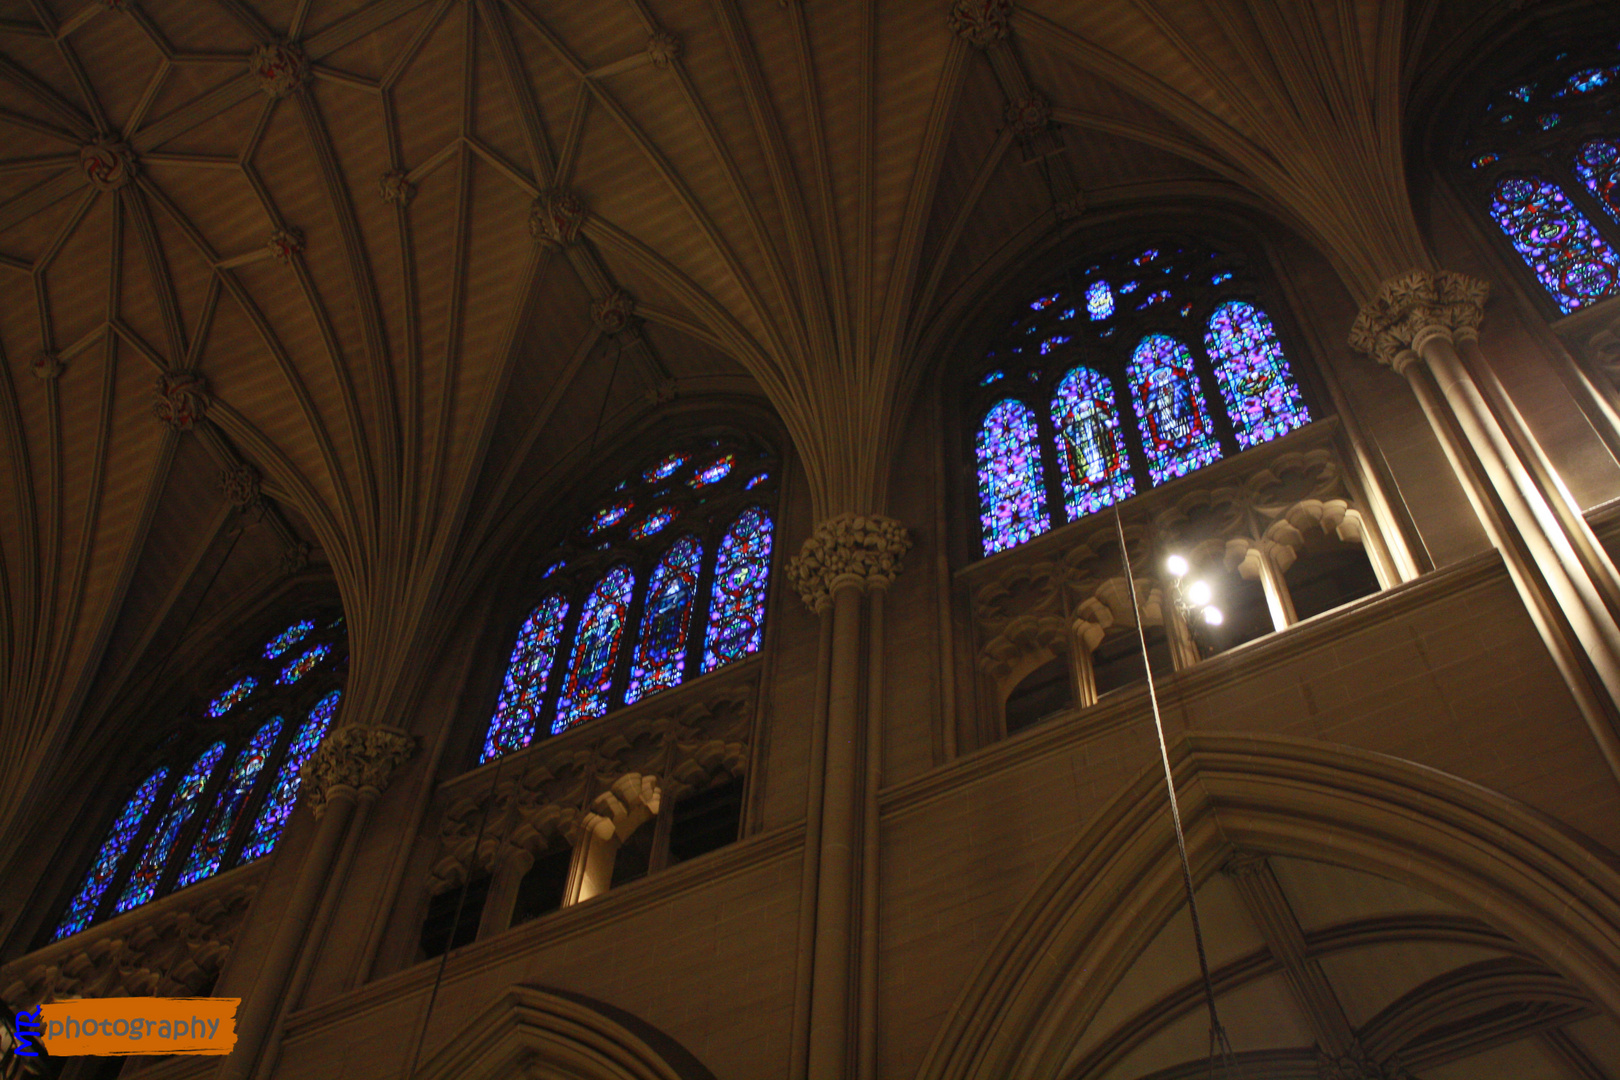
x,y
183,806
590,669
1153,298
1053,342
1597,163
609,516
1485,159
528,674
1259,390
1170,409
1043,302
1584,82
714,473
288,638
1146,257
755,481
82,908
278,804
664,469
660,656
1091,453
552,569
1099,300
231,698
653,523
303,665
209,851
1012,493
1574,263
737,603
992,376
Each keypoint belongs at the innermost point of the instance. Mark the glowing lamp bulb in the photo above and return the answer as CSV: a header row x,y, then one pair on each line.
x,y
1177,566
1213,616
1199,593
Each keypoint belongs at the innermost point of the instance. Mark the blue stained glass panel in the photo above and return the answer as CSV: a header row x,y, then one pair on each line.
x,y
1053,342
1261,395
278,804
1044,302
754,482
609,516
596,646
1146,257
288,638
303,665
1091,453
1584,82
660,657
1597,163
209,851
714,473
82,908
1012,493
992,376
1170,409
1099,301
1575,264
664,469
552,569
231,698
742,570
653,523
528,673
1485,159
184,804
1153,298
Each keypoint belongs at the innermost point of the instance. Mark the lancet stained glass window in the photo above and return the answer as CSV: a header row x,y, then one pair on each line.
x,y
660,657
183,806
289,637
232,697
209,851
737,601
589,681
1170,409
528,673
1597,163
303,665
1091,453
1012,492
82,908
1258,388
1566,251
283,795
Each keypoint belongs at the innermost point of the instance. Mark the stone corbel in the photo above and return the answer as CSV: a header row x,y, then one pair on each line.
x,y
1019,639
632,801
865,550
355,761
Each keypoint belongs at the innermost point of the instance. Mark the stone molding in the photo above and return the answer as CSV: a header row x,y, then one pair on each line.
x,y
108,164
555,217
358,758
280,68
1415,307
864,549
182,399
980,23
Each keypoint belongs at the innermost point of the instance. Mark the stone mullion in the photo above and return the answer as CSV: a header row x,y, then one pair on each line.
x,y
1214,400
192,829
1051,459
625,657
1130,429
702,605
550,701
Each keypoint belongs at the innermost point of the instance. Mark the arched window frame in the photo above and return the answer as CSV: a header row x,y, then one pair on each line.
x,y
573,566
192,734
1202,279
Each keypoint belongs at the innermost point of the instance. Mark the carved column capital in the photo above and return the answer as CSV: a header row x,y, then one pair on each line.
x,y
865,549
182,399
1414,308
359,759
980,23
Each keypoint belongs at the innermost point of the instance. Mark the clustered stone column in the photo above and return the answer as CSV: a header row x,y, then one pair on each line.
x,y
847,560
351,768
1416,325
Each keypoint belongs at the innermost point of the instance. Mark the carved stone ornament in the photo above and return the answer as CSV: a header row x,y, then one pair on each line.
x,y
612,313
182,399
1029,116
1356,1065
358,758
980,23
107,164
286,243
1412,308
47,366
281,69
555,217
296,558
664,48
240,483
395,189
867,549
665,392
1071,208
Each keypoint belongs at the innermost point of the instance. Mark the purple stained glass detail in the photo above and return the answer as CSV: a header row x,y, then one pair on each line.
x,y
660,657
1523,93
1170,409
1153,298
184,804
714,473
1044,302
1261,395
1099,301
231,698
288,638
1186,310
1090,447
82,908
1575,264
609,516
742,569
991,377
552,569
1597,163
1053,342
1146,257
303,665
1221,278
756,481
653,523
1584,82
1485,159
208,853
596,646
1130,286
664,469
528,674
1012,493
283,796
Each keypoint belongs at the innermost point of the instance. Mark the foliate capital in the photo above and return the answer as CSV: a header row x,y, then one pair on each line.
x,y
1412,309
980,23
360,759
867,549
182,399
555,217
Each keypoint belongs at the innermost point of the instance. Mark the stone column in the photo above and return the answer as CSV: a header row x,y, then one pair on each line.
x,y
1414,325
841,560
352,766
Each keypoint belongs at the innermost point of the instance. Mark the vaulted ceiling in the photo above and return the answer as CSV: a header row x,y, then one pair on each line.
x,y
382,267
